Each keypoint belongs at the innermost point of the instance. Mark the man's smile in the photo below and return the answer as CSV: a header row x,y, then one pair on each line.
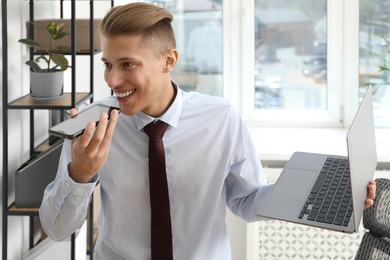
x,y
125,94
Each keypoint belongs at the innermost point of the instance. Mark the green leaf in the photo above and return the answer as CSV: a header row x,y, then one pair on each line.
x,y
60,60
34,66
52,28
382,68
42,57
55,32
60,27
30,42
61,35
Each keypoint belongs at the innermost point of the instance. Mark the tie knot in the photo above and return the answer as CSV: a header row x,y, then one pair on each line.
x,y
155,130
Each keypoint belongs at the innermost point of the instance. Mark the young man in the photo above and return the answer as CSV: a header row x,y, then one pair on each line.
x,y
210,160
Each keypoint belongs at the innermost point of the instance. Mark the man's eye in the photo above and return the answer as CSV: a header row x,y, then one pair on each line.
x,y
106,65
127,64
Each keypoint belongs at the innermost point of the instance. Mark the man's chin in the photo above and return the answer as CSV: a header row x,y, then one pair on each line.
x,y
130,111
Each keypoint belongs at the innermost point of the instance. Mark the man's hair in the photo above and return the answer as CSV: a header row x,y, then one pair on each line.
x,y
153,23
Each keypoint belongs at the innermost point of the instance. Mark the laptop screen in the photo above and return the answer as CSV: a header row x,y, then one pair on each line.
x,y
362,153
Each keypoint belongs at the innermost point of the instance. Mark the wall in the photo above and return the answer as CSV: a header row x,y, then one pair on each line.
x,y
237,230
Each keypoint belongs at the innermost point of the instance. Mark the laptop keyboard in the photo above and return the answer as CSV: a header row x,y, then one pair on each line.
x,y
330,200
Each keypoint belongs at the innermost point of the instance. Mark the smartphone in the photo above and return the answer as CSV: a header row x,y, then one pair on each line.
x,y
74,126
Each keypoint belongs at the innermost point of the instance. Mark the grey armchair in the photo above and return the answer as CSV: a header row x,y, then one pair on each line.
x,y
375,244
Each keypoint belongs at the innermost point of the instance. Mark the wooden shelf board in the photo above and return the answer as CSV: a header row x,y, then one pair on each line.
x,y
47,144
27,102
78,52
13,210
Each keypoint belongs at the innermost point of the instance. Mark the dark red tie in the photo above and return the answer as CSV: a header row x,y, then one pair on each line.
x,y
159,197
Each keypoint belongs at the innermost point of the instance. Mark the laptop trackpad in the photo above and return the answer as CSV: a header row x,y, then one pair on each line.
x,y
289,194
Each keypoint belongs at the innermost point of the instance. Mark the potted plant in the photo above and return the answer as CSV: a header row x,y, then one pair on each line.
x,y
46,81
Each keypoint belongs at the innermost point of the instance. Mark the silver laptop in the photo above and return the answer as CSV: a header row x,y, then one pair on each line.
x,y
328,191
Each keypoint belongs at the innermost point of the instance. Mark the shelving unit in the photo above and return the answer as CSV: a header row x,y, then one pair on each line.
x,y
69,100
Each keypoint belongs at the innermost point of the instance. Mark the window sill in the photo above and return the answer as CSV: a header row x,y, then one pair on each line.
x,y
275,145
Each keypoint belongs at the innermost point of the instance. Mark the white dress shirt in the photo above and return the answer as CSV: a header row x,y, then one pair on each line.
x,y
211,163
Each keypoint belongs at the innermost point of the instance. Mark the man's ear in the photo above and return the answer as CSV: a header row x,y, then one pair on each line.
x,y
171,58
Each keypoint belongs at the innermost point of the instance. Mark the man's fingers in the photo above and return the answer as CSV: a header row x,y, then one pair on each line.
x,y
73,112
109,130
85,138
369,203
371,190
99,132
98,137
90,150
111,125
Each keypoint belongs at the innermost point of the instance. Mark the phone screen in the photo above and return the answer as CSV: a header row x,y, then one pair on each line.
x,y
74,126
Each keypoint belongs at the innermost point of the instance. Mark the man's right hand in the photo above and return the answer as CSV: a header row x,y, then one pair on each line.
x,y
90,150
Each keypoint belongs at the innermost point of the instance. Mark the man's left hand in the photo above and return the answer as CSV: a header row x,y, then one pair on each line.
x,y
371,190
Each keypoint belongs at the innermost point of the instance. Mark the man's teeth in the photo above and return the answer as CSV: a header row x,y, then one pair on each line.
x,y
125,94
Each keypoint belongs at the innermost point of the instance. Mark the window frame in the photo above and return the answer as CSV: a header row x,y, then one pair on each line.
x,y
343,67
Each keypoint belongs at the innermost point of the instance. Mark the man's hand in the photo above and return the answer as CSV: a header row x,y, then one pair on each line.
x,y
371,190
90,150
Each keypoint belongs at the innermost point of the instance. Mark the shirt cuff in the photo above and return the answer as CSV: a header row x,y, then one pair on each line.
x,y
77,190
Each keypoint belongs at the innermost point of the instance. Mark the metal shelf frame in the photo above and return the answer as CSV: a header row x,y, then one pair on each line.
x,y
70,100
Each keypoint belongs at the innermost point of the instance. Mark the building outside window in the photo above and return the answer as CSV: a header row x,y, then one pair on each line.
x,y
290,54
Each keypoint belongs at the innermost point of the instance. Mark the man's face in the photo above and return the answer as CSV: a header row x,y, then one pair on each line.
x,y
139,79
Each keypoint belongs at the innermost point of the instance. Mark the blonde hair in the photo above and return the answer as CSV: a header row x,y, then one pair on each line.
x,y
153,23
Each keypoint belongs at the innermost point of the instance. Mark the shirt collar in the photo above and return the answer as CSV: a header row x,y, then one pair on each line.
x,y
171,116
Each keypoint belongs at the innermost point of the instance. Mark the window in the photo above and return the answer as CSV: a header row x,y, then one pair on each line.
x,y
198,27
285,62
290,54
375,54
297,62
343,34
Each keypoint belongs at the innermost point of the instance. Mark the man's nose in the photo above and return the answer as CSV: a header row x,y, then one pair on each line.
x,y
114,78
